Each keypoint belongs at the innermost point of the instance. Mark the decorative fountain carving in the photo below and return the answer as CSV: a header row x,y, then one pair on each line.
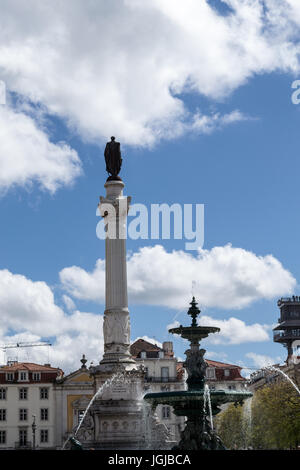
x,y
198,433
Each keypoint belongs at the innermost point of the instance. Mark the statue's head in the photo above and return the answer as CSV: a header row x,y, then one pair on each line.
x,y
112,138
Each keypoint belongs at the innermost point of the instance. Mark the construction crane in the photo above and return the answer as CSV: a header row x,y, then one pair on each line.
x,y
23,344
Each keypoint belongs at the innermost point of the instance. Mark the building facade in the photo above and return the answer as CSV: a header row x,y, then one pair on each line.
x,y
264,377
163,372
222,376
40,407
73,393
27,406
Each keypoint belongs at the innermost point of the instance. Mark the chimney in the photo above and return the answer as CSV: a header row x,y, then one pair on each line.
x,y
168,348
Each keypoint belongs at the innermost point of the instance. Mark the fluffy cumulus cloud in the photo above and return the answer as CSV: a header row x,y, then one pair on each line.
x,y
29,313
27,155
149,340
228,276
121,67
206,124
260,360
233,330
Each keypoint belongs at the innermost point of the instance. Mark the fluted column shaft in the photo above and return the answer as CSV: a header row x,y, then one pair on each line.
x,y
116,326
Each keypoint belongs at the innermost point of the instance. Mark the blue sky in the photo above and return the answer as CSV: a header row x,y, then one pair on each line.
x,y
245,173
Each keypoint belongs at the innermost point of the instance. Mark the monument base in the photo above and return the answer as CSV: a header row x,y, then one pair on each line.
x,y
120,419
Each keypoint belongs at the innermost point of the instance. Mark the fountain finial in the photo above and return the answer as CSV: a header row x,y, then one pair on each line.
x,y
194,311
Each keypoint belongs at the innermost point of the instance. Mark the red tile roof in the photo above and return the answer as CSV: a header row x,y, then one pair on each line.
x,y
142,345
30,366
222,365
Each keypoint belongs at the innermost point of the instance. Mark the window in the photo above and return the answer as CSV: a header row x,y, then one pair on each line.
x,y
2,393
211,373
161,354
23,376
23,437
143,354
226,372
23,414
23,393
2,437
165,374
10,376
44,393
2,414
36,376
44,414
165,412
44,435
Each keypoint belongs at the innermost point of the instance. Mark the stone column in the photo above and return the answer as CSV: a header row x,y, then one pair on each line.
x,y
116,327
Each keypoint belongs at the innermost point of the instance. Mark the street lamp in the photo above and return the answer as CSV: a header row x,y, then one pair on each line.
x,y
33,432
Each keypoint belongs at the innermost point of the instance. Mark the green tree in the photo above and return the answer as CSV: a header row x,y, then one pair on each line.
x,y
274,421
230,427
276,417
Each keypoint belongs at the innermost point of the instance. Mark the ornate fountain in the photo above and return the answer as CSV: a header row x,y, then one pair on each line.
x,y
198,433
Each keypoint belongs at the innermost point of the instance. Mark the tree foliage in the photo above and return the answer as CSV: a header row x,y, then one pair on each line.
x,y
230,427
274,422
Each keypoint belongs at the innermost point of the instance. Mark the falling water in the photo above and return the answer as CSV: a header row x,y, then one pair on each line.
x,y
207,403
274,369
118,377
247,420
247,411
147,424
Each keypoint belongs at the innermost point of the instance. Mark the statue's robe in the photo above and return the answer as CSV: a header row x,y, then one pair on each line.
x,y
113,158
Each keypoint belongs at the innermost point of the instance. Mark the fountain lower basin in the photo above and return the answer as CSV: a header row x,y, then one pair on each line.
x,y
193,400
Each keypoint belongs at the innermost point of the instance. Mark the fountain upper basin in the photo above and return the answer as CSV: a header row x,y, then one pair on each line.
x,y
194,332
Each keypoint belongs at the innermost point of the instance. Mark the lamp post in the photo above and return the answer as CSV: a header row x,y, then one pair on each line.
x,y
33,432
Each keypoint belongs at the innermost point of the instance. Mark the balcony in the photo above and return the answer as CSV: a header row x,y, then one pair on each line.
x,y
23,445
288,334
293,299
161,379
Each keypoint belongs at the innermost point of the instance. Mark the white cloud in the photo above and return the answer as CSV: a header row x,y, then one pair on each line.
x,y
150,340
260,360
69,303
209,123
233,330
27,155
29,313
25,305
174,324
218,356
223,277
119,67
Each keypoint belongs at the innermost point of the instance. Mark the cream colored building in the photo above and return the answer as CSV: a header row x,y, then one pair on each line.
x,y
163,373
224,376
262,377
27,406
73,393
